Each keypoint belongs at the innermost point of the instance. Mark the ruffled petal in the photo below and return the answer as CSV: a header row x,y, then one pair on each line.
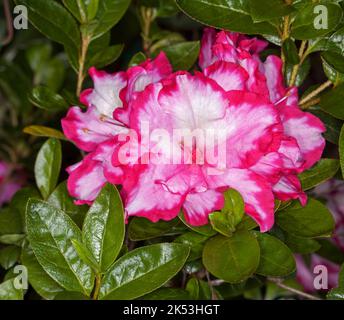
x,y
106,93
88,129
206,57
198,206
289,188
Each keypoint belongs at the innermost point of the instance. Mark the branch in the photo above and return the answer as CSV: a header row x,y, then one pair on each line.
x,y
302,55
315,92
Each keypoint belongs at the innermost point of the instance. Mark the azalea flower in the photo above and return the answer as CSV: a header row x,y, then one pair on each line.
x,y
259,138
11,181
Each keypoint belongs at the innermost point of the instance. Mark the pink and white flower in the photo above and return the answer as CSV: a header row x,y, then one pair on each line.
x,y
259,149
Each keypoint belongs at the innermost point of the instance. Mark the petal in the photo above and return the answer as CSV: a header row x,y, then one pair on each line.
x,y
269,166
228,75
88,129
145,196
307,129
198,206
86,180
106,93
291,154
288,188
254,129
255,190
206,57
8,190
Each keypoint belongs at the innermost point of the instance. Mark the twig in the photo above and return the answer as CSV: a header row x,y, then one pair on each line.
x,y
82,60
310,104
279,283
315,92
302,55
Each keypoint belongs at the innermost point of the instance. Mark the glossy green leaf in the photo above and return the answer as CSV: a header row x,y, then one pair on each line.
x,y
144,229
313,220
265,10
143,270
50,233
9,256
103,229
137,59
47,166
290,51
198,289
167,294
309,24
42,131
334,59
44,285
61,199
53,20
85,255
108,15
276,259
10,222
183,55
15,239
69,295
332,102
206,230
106,56
47,99
232,259
231,15
9,292
325,169
196,243
334,75
301,245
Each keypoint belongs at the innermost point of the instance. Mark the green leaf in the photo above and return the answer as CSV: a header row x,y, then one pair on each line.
x,y
336,294
332,102
42,131
198,289
183,55
15,239
265,10
206,230
144,229
276,259
232,259
334,59
304,24
45,286
313,220
106,56
10,222
143,270
37,54
61,199
9,256
196,243
167,294
68,295
334,75
103,230
341,149
228,290
325,169
53,20
301,245
290,51
77,8
85,255
50,233
137,59
47,99
9,292
330,251
47,166
231,15
108,15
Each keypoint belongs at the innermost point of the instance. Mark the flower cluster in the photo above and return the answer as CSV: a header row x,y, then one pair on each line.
x,y
333,193
259,141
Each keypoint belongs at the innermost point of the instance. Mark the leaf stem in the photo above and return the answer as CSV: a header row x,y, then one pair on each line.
x,y
302,54
97,287
82,61
315,92
279,283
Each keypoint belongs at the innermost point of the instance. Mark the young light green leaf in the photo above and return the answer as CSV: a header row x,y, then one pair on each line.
x,y
50,232
233,259
103,230
47,166
142,271
85,255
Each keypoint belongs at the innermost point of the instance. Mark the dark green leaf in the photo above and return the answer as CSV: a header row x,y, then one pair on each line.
x,y
301,245
9,256
325,169
50,233
332,102
196,243
106,56
264,10
276,259
167,294
313,220
143,270
47,99
232,259
47,166
10,222
198,289
45,286
183,55
68,295
103,230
